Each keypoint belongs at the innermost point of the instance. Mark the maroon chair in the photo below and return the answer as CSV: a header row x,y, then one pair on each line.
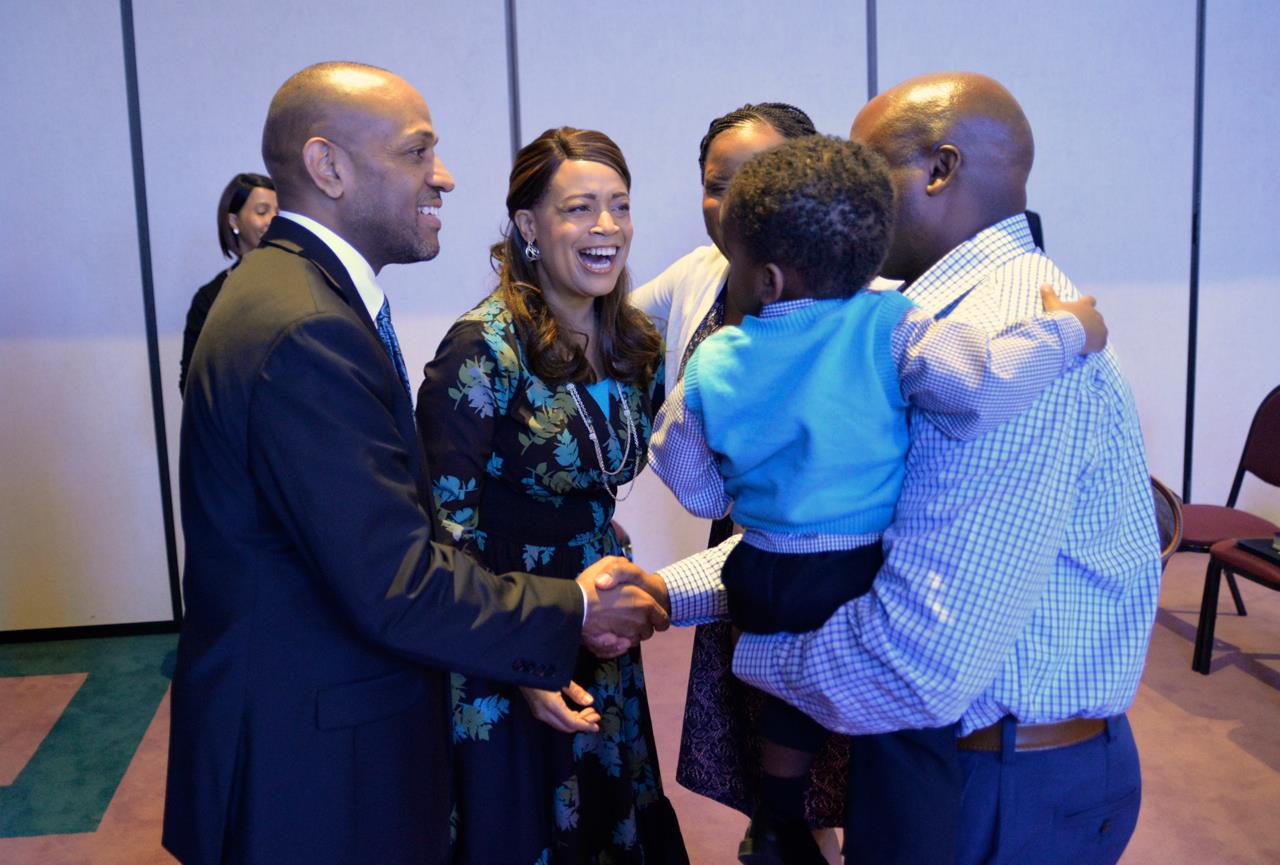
x,y
1214,528
1226,555
1205,525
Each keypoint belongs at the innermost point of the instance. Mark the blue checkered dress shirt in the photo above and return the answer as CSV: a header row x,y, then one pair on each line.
x,y
1022,568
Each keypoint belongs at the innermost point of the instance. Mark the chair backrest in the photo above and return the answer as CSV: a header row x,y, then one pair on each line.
x,y
1261,454
1168,518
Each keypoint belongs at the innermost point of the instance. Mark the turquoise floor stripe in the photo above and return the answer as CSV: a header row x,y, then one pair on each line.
x,y
74,773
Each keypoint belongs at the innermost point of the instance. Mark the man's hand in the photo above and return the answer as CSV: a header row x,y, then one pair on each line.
x,y
1095,328
650,582
550,708
622,614
611,645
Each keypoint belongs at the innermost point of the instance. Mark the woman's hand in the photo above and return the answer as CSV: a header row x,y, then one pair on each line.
x,y
550,708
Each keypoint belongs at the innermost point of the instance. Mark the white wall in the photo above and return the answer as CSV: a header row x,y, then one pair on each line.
x,y
1108,88
81,532
1237,358
654,84
206,76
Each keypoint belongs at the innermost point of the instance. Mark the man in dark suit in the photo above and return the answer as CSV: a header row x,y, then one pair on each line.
x,y
310,717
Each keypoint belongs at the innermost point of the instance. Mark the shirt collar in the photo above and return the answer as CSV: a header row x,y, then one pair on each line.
x,y
358,268
782,307
942,284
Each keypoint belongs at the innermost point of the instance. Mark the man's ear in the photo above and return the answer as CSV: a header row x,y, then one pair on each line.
x,y
524,224
946,163
774,283
325,165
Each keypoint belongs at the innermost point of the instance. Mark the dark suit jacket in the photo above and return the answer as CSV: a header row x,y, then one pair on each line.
x,y
310,713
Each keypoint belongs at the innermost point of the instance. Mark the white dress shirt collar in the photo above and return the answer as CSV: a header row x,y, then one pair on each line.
x,y
358,268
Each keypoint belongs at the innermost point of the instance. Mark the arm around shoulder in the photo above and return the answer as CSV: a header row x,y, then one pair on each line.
x,y
970,382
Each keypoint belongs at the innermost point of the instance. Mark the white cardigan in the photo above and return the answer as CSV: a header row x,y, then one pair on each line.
x,y
677,300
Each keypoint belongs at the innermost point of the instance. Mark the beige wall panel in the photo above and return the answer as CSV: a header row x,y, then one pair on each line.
x,y
653,76
1238,361
1109,90
81,529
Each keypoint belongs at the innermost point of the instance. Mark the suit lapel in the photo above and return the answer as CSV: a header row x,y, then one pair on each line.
x,y
289,236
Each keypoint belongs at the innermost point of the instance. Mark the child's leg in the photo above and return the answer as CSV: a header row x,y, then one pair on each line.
x,y
795,592
789,739
779,833
771,592
904,797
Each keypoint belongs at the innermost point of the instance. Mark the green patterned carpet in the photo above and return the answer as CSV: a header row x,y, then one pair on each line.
x,y
69,781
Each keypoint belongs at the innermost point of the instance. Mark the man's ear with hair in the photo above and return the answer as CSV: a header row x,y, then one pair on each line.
x,y
326,164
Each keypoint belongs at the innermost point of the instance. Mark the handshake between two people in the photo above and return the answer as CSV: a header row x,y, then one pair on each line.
x,y
625,604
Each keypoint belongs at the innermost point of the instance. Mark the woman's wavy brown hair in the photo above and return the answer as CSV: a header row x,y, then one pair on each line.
x,y
629,343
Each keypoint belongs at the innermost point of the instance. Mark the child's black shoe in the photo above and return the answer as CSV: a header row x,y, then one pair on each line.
x,y
774,840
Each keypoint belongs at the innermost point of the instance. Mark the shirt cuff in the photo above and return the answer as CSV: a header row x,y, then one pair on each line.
x,y
694,588
1072,333
584,604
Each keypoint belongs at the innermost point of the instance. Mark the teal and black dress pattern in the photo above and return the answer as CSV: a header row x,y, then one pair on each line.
x,y
516,483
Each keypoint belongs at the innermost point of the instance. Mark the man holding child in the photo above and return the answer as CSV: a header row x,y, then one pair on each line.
x,y
1021,568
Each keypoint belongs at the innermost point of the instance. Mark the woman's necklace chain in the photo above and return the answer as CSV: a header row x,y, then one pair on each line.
x,y
628,440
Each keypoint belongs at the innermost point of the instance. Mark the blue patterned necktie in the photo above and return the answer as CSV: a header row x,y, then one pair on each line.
x,y
388,335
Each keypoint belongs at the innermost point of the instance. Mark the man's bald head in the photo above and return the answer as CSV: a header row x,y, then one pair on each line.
x,y
960,150
972,111
325,100
354,148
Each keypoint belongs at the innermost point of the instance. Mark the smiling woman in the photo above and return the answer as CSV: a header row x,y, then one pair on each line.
x,y
535,411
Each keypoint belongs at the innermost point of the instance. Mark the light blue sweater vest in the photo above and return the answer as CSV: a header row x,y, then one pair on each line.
x,y
806,415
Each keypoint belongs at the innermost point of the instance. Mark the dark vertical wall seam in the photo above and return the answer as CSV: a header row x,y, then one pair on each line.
x,y
149,301
873,61
513,78
1193,313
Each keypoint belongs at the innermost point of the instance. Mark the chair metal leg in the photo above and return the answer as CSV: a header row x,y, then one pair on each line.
x,y
1203,657
1235,594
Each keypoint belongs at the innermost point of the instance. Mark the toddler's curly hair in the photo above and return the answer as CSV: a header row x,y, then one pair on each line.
x,y
819,204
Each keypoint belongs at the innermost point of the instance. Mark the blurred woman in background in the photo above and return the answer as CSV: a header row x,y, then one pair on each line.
x,y
246,208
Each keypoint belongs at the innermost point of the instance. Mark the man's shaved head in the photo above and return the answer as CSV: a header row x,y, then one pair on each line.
x,y
317,101
353,147
970,110
960,150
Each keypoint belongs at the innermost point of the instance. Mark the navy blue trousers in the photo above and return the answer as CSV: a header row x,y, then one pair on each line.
x,y
1066,806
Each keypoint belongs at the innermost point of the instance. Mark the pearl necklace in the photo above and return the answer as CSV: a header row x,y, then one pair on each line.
x,y
628,440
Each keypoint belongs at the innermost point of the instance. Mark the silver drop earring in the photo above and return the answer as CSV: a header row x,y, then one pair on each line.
x,y
531,251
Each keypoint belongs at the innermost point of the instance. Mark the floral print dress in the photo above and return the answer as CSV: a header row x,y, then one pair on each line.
x,y
516,483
